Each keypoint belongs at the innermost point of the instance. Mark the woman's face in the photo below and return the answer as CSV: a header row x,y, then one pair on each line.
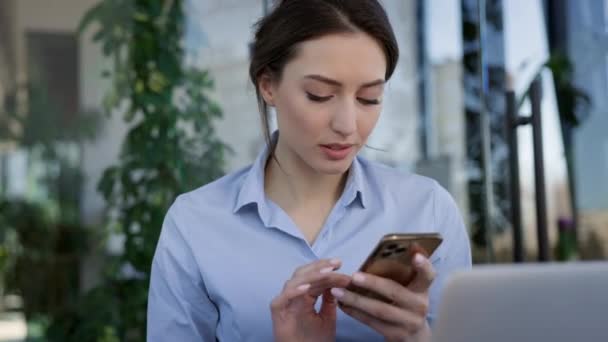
x,y
328,100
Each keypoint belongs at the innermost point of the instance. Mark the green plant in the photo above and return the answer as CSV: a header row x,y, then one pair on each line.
x,y
574,106
171,148
573,102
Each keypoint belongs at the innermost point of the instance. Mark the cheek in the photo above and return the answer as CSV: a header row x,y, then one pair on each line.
x,y
366,122
300,116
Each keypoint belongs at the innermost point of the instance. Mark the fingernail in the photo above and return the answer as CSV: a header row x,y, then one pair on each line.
x,y
303,287
419,259
338,293
327,269
358,277
334,262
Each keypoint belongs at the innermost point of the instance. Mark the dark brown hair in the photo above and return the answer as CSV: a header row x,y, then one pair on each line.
x,y
294,21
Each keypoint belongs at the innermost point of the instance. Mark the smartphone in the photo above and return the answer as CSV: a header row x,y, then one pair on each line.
x,y
393,256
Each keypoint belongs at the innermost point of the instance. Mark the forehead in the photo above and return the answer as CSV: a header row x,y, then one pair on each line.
x,y
352,57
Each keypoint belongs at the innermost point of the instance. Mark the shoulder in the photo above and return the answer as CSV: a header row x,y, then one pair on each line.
x,y
399,183
197,216
412,194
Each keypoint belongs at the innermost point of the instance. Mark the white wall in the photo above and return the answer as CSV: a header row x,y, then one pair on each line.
x,y
526,45
444,27
397,129
220,33
450,128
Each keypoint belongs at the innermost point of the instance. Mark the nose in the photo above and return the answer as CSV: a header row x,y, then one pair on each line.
x,y
344,121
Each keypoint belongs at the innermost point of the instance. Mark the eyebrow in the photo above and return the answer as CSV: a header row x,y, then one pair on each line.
x,y
338,84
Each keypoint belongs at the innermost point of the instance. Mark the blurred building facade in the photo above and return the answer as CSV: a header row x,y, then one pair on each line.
x,y
587,45
427,101
217,38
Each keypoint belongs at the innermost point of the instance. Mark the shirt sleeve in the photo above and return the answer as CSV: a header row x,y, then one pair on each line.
x,y
179,307
454,254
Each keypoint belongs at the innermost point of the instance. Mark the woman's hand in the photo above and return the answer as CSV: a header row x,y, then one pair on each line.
x,y
294,317
405,318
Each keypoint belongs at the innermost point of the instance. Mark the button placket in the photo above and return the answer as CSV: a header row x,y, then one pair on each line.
x,y
320,245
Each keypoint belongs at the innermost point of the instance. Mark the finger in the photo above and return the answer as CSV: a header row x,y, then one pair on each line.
x,y
319,276
425,274
375,308
313,271
303,285
322,281
327,265
328,306
288,294
390,331
393,291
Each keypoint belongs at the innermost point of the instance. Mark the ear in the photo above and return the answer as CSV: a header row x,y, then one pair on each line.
x,y
267,90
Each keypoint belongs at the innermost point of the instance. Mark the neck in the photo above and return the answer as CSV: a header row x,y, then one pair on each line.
x,y
290,182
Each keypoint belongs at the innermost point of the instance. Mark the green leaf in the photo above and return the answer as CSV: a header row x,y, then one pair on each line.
x,y
99,36
108,48
106,184
139,86
141,17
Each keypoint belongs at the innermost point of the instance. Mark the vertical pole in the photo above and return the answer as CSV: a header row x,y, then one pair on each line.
x,y
3,175
488,183
426,126
512,124
539,171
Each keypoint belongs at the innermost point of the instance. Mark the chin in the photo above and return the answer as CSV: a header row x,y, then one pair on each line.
x,y
330,167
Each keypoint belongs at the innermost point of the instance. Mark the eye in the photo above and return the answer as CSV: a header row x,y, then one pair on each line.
x,y
317,98
368,102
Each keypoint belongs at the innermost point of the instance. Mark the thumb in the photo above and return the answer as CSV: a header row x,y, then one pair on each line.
x,y
424,274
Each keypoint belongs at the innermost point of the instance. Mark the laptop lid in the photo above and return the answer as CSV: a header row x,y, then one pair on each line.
x,y
525,303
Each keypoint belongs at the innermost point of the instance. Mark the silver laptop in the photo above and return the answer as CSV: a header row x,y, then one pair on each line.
x,y
526,303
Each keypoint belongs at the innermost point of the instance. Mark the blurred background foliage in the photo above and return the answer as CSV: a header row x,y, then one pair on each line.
x,y
170,148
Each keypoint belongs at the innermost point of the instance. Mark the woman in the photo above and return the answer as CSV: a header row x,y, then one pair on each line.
x,y
247,256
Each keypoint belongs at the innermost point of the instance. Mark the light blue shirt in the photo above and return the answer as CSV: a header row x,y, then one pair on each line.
x,y
226,250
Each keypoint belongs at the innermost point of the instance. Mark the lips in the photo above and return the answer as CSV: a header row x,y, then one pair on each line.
x,y
336,151
337,146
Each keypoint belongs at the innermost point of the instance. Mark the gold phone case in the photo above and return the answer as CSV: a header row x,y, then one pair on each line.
x,y
392,258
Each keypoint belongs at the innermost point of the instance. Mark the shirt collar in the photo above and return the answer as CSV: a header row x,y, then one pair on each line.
x,y
354,190
252,188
